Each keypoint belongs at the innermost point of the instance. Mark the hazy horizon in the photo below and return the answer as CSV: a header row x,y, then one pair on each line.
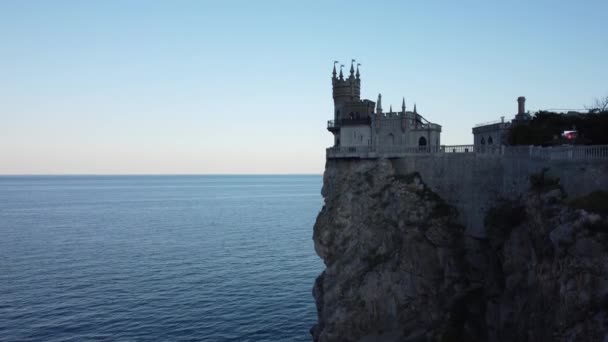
x,y
237,87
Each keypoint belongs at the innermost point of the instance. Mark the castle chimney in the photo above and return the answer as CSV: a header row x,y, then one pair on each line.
x,y
521,105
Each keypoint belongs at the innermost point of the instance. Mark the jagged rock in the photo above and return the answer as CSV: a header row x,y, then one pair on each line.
x,y
394,259
400,268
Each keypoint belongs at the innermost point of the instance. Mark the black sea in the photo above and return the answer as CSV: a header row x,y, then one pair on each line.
x,y
157,258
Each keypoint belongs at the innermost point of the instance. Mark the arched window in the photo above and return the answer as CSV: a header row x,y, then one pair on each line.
x,y
483,141
490,141
422,141
391,139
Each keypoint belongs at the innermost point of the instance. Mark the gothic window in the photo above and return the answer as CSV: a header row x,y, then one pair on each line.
x,y
391,139
422,141
490,141
483,141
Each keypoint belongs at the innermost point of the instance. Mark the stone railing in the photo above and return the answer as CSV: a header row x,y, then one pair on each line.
x,y
331,124
408,149
457,148
566,152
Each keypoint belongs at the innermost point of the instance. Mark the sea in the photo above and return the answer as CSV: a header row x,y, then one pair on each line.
x,y
158,258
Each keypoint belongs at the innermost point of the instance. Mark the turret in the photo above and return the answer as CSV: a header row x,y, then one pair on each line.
x,y
333,74
379,104
345,90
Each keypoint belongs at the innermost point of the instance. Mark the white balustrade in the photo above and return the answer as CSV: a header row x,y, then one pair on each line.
x,y
564,152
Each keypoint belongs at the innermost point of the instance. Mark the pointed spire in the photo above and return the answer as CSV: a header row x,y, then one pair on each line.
x,y
341,75
358,64
352,69
379,104
333,74
415,112
403,105
391,109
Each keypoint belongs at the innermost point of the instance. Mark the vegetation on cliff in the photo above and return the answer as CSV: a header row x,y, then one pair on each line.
x,y
546,128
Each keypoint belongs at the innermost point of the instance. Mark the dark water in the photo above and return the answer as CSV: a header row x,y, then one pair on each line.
x,y
157,258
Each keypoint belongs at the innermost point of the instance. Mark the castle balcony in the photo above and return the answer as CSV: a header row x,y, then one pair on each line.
x,y
334,125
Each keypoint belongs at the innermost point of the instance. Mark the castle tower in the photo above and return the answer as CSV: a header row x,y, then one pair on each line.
x,y
345,90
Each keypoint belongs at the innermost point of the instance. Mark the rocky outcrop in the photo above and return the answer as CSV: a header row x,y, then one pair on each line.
x,y
393,256
400,268
553,262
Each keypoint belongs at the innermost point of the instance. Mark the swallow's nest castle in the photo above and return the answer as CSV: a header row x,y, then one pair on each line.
x,y
363,125
362,129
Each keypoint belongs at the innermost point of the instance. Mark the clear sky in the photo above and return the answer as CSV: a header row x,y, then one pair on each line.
x,y
244,86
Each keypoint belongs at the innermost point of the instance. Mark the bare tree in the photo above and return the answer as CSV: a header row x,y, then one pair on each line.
x,y
599,105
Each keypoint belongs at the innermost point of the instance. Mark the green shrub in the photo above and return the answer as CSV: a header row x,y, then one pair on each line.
x,y
596,202
541,182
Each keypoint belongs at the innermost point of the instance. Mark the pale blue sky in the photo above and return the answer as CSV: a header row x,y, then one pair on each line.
x,y
244,86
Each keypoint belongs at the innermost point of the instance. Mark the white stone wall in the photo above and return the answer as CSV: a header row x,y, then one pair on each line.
x,y
498,133
359,135
474,182
495,137
389,132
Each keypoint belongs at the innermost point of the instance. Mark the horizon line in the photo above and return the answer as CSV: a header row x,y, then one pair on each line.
x,y
154,174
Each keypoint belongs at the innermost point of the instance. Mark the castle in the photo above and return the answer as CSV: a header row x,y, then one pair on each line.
x,y
470,177
363,130
362,126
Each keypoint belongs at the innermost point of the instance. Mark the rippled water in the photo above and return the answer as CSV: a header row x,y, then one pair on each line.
x,y
143,258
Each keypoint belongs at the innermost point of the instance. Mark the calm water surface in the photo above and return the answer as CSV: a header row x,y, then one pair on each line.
x,y
163,258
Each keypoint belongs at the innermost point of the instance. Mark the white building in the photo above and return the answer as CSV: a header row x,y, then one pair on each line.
x,y
497,133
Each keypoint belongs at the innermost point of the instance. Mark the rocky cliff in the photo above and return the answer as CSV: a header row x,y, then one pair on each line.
x,y
399,267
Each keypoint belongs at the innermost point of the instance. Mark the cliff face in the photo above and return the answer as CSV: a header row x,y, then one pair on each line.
x,y
399,267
